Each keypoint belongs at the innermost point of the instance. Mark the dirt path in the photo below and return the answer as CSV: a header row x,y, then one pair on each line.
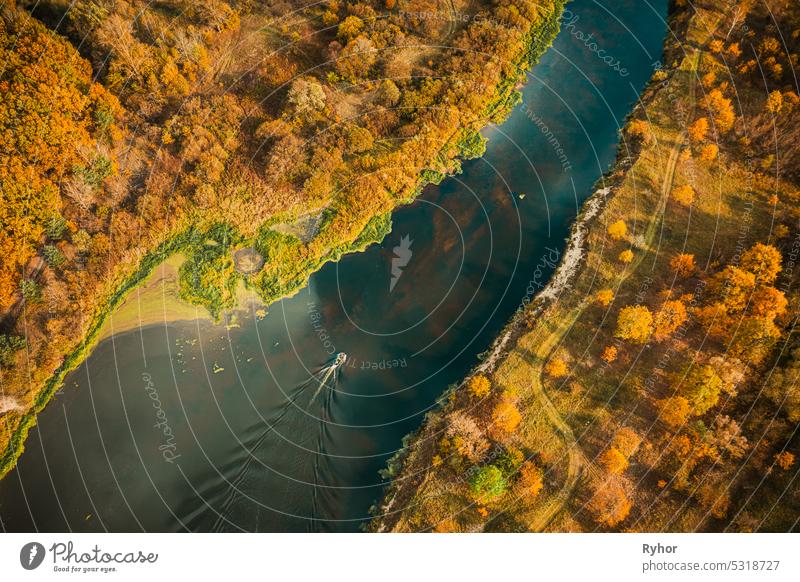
x,y
577,462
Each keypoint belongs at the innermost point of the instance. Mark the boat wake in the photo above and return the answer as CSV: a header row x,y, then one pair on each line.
x,y
325,377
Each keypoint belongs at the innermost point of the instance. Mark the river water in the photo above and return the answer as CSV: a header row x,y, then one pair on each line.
x,y
203,427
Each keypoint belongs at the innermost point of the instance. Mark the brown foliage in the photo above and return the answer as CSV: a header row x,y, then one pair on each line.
x,y
682,264
669,318
610,504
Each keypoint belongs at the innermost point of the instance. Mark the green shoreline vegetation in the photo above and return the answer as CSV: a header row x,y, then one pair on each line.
x,y
207,276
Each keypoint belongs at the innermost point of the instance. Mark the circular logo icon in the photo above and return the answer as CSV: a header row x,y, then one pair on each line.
x,y
31,555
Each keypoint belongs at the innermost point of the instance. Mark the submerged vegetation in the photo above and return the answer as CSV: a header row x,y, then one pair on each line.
x,y
135,134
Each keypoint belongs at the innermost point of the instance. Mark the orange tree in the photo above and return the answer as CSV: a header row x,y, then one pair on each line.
x,y
49,109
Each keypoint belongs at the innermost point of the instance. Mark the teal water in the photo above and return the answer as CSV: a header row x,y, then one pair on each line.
x,y
193,426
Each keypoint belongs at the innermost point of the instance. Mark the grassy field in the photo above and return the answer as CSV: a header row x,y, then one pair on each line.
x,y
156,301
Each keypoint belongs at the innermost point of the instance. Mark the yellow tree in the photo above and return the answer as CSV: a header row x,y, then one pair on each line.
x,y
785,460
49,111
626,441
626,256
683,195
733,287
530,481
775,102
763,261
556,367
709,152
768,302
638,129
701,387
506,416
721,109
350,28
618,230
604,297
674,411
634,323
479,386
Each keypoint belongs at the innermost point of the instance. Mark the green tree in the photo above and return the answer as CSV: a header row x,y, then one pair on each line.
x,y
54,257
487,484
9,346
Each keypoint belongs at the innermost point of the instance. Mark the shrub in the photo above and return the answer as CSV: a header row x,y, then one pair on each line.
x,y
609,354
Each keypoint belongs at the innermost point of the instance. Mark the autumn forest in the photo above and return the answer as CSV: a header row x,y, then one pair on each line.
x,y
653,385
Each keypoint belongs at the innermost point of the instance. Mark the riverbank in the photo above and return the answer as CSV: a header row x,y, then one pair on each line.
x,y
207,277
572,433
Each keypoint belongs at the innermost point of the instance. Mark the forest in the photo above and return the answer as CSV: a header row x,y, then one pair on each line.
x,y
137,130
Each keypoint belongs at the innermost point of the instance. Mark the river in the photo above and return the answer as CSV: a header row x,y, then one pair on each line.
x,y
202,427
